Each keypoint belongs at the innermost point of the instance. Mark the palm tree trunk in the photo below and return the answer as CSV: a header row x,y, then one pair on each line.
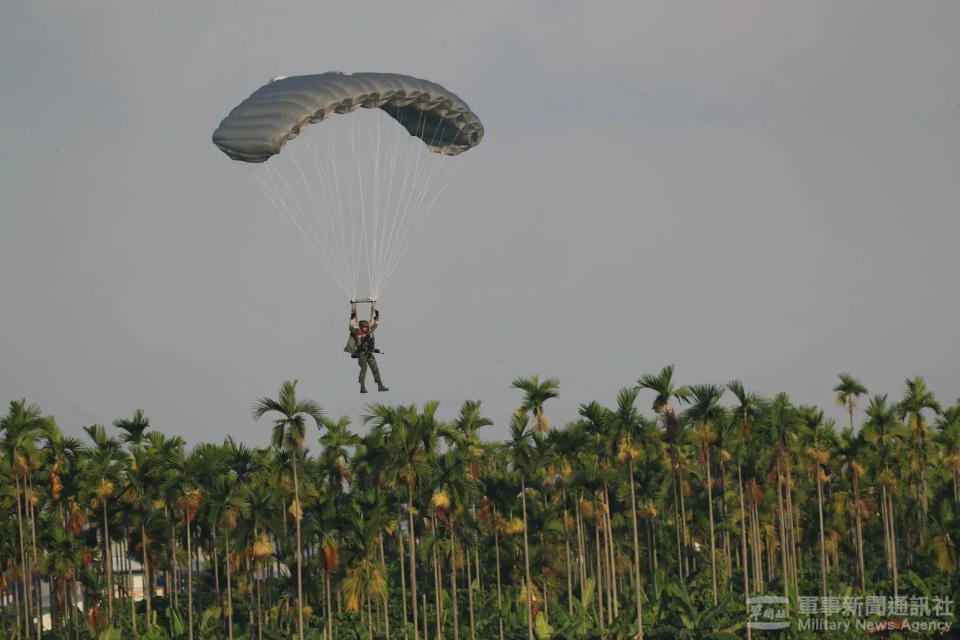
x,y
728,566
24,567
386,596
713,554
600,579
437,591
566,545
743,543
636,552
189,577
676,520
216,562
783,534
683,527
476,555
329,608
369,620
16,606
823,548
229,566
608,529
147,585
759,583
856,509
173,584
453,582
893,544
473,633
496,548
129,581
296,497
794,521
36,564
581,557
413,558
526,559
403,584
108,561
258,570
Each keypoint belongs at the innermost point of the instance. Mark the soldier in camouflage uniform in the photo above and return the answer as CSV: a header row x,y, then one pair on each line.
x,y
366,348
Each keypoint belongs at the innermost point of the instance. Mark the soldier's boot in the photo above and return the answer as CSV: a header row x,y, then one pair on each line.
x,y
363,387
380,387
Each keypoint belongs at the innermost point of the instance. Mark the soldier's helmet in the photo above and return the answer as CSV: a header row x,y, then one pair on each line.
x,y
364,323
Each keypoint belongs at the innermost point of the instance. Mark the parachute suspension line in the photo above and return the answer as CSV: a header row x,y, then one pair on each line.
x,y
303,217
377,204
405,210
334,212
268,180
424,212
398,219
316,205
384,231
416,212
359,191
360,201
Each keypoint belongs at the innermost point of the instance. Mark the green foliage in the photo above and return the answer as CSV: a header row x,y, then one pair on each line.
x,y
419,477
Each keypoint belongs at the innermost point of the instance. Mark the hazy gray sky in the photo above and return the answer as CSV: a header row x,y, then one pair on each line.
x,y
761,190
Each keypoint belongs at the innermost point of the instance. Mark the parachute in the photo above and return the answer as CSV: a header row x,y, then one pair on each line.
x,y
360,187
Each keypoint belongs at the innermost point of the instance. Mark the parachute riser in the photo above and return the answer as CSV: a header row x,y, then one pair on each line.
x,y
371,301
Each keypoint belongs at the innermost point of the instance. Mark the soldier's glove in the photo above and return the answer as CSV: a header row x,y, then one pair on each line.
x,y
376,314
353,313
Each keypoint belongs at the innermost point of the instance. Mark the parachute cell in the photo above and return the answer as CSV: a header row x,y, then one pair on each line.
x,y
276,112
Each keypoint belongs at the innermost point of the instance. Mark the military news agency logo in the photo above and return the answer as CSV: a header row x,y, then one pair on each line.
x,y
768,613
870,613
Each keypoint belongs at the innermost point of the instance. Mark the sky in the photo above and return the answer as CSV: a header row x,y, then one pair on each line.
x,y
759,190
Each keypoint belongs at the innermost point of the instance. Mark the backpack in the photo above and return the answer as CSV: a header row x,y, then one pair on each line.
x,y
351,347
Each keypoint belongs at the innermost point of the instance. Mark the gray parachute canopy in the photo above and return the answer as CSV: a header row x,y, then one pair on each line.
x,y
259,126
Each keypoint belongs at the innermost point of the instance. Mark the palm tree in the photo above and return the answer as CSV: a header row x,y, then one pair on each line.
x,y
258,504
463,434
500,492
225,508
24,425
848,390
916,400
61,456
104,475
535,394
630,429
780,422
409,437
886,434
850,450
62,560
139,495
452,491
182,485
948,437
521,454
289,431
818,439
662,385
134,429
706,415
